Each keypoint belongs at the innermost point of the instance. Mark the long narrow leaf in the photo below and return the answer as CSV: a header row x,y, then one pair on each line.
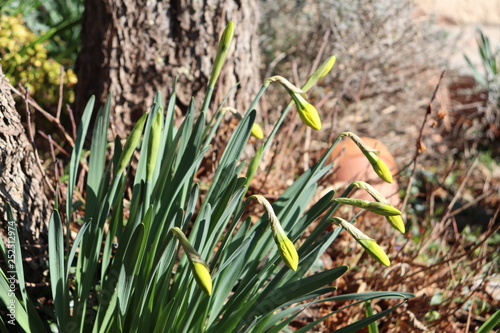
x,y
58,281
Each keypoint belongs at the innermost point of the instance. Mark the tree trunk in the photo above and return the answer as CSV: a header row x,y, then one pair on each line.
x,y
21,183
133,48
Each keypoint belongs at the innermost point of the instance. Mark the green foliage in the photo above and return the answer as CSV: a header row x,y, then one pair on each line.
x,y
25,60
489,77
125,271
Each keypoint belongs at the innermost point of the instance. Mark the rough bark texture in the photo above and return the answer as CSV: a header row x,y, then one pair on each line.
x,y
132,48
21,183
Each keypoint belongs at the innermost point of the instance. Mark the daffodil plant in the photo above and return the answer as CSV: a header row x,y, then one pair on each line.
x,y
158,252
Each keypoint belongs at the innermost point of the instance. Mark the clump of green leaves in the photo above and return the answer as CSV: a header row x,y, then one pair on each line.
x,y
125,272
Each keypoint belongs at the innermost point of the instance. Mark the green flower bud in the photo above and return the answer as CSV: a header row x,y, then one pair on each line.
x,y
131,144
256,129
202,276
380,208
285,247
375,251
307,112
396,221
369,244
200,269
322,70
379,166
224,44
254,165
154,144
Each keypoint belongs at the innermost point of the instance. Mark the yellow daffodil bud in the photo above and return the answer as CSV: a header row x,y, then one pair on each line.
x,y
286,248
307,112
322,70
380,208
396,221
224,44
288,253
131,144
257,131
379,166
154,143
369,244
375,251
200,269
202,276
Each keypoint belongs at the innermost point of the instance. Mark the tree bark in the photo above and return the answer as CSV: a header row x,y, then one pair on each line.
x,y
21,183
133,48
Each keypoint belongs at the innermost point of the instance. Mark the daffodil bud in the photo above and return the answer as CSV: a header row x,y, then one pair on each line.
x,y
202,276
307,112
224,44
154,144
380,208
396,221
131,144
254,165
285,247
322,70
257,131
369,244
379,166
198,266
375,251
370,190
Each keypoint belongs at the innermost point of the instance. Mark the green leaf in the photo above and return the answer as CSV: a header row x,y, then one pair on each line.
x,y
274,299
372,327
57,270
75,155
490,324
354,327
